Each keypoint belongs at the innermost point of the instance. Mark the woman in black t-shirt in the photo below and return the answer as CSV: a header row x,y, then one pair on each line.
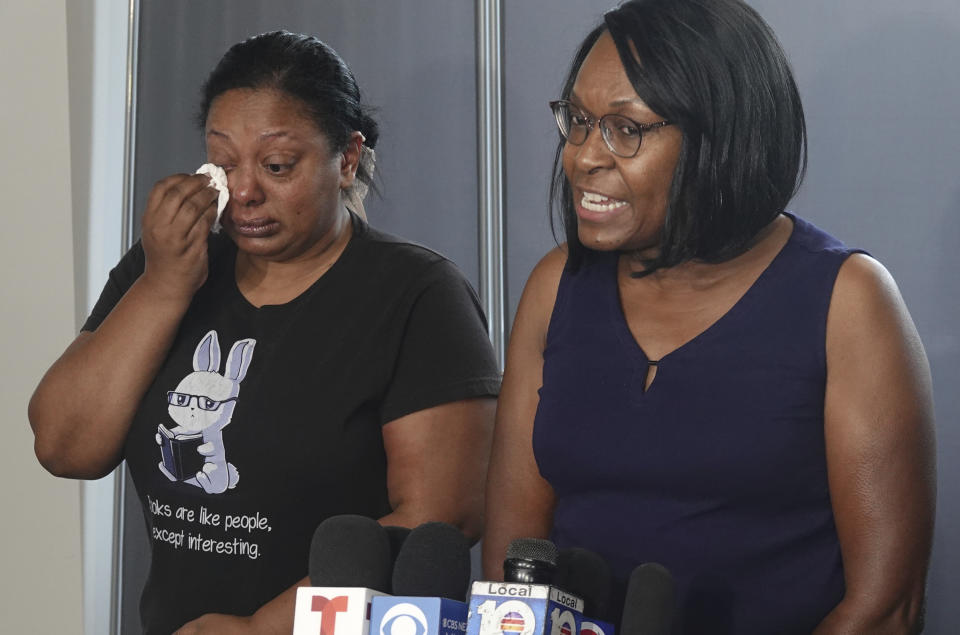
x,y
296,366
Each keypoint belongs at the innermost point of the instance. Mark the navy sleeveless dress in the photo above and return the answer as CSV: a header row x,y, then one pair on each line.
x,y
718,470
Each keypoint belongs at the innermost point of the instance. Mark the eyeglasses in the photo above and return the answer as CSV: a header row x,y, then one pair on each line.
x,y
183,400
621,134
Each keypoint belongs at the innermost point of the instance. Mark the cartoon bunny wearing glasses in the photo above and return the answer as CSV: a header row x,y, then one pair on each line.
x,y
202,406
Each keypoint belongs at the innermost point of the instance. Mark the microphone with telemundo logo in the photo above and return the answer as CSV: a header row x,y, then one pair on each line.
x,y
651,601
350,564
526,604
430,578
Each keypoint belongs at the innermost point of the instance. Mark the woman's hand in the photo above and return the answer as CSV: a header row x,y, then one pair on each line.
x,y
181,209
78,432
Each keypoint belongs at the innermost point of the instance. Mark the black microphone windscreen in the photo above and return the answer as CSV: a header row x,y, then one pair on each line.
x,y
650,604
586,575
530,561
396,535
350,551
532,549
434,561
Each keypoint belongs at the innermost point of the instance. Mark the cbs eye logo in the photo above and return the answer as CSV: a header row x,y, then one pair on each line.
x,y
403,619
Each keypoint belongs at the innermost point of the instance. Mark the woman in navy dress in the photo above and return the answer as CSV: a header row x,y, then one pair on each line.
x,y
698,377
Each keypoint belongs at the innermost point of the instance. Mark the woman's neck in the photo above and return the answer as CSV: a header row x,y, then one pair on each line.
x,y
697,274
264,281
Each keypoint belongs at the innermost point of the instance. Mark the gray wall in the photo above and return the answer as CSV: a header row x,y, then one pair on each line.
x,y
879,83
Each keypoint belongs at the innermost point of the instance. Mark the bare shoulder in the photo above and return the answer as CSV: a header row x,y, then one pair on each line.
x,y
865,298
875,359
540,292
545,277
864,277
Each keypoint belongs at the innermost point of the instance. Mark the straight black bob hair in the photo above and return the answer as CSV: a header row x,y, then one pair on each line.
x,y
714,68
302,67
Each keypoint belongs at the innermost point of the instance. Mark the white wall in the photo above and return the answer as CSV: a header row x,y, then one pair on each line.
x,y
97,57
40,544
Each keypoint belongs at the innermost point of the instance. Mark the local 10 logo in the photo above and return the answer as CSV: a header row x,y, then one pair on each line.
x,y
512,617
563,622
535,615
595,627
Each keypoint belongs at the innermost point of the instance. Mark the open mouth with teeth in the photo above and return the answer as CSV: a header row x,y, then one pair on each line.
x,y
599,203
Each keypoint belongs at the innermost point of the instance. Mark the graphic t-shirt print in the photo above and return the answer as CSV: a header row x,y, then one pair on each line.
x,y
201,406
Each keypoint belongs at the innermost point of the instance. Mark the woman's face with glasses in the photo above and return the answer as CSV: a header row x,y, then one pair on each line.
x,y
620,201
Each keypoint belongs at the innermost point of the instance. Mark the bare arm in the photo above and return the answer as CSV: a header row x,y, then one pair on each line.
x,y
437,465
82,408
520,504
880,453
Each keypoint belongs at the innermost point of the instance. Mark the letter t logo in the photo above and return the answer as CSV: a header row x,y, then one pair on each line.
x,y
328,610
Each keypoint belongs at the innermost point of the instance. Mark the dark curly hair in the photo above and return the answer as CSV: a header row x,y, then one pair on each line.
x,y
305,68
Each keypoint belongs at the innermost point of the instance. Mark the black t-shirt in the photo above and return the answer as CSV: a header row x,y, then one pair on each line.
x,y
279,409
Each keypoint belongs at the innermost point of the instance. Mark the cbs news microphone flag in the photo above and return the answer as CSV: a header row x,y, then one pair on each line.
x,y
430,578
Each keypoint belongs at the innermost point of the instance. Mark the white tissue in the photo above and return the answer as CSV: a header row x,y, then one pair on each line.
x,y
218,181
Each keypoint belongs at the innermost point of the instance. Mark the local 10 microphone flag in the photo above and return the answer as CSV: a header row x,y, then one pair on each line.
x,y
333,610
407,615
507,608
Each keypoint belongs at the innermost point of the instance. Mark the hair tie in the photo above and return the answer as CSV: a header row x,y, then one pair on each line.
x,y
354,195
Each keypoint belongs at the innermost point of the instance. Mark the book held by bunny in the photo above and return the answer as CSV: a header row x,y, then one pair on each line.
x,y
181,460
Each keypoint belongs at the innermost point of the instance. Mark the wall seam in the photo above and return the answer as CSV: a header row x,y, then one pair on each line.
x,y
490,169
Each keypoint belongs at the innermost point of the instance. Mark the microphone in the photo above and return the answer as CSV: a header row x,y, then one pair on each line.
x,y
587,575
433,562
350,551
530,561
349,565
651,601
518,607
396,536
430,578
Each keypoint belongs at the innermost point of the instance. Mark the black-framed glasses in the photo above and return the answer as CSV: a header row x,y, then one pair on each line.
x,y
621,134
183,400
